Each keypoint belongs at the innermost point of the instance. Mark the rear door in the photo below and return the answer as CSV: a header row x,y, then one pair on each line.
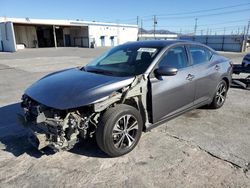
x,y
172,94
206,72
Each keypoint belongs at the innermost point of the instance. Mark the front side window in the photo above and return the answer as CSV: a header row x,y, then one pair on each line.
x,y
199,54
124,60
175,58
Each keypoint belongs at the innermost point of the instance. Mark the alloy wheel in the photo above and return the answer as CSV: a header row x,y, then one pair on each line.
x,y
125,131
221,94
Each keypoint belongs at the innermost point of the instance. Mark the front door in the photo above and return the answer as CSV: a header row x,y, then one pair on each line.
x,y
102,40
112,40
172,94
67,40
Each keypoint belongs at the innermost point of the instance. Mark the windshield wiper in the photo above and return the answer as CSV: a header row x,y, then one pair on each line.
x,y
100,72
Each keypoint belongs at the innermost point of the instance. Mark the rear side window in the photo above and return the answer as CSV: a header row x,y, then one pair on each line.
x,y
200,54
175,57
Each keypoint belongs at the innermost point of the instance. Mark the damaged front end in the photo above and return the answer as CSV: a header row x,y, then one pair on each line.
x,y
58,129
62,129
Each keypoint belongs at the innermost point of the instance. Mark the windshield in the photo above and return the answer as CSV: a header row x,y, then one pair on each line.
x,y
124,60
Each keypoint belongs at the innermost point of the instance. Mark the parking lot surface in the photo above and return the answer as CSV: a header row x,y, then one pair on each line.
x,y
202,148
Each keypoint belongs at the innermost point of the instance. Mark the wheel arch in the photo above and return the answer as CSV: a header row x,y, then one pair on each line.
x,y
227,81
137,104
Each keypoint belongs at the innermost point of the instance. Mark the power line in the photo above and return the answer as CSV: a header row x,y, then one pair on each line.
x,y
166,16
220,23
205,15
186,13
190,26
148,17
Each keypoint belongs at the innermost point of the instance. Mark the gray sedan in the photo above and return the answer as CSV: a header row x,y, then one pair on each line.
x,y
131,88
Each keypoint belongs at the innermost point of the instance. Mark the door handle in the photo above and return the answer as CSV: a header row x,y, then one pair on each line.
x,y
217,67
190,77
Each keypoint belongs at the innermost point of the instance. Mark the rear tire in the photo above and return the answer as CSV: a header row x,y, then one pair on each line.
x,y
119,130
220,95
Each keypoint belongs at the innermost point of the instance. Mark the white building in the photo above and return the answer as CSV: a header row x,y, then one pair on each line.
x,y
158,36
18,33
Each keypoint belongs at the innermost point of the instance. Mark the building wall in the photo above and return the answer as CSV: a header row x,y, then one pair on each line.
x,y
26,35
73,33
1,42
111,35
8,37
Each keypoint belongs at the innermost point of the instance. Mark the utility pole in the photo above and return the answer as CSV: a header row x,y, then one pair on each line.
x,y
246,35
195,25
155,22
137,23
244,31
248,27
224,32
118,32
141,26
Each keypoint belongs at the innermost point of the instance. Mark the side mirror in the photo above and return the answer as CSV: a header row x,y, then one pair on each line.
x,y
166,71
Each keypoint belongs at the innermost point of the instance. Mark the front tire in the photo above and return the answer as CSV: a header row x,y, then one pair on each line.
x,y
119,130
220,95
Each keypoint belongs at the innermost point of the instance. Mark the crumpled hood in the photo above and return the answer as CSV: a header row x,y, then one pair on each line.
x,y
73,88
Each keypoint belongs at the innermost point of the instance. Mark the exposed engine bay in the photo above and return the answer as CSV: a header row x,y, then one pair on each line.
x,y
58,129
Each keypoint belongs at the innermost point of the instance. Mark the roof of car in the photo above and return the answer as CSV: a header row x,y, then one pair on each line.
x,y
159,43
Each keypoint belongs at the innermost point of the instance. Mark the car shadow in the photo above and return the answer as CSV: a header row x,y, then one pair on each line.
x,y
12,134
88,148
13,137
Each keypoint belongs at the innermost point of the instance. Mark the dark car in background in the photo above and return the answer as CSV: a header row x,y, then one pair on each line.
x,y
131,88
246,60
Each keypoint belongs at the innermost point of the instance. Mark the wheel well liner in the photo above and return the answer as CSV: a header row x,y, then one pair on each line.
x,y
137,104
227,81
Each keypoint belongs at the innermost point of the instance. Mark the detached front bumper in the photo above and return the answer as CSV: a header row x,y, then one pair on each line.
x,y
38,134
38,140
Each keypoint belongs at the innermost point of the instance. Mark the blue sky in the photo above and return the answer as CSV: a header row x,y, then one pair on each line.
x,y
173,15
